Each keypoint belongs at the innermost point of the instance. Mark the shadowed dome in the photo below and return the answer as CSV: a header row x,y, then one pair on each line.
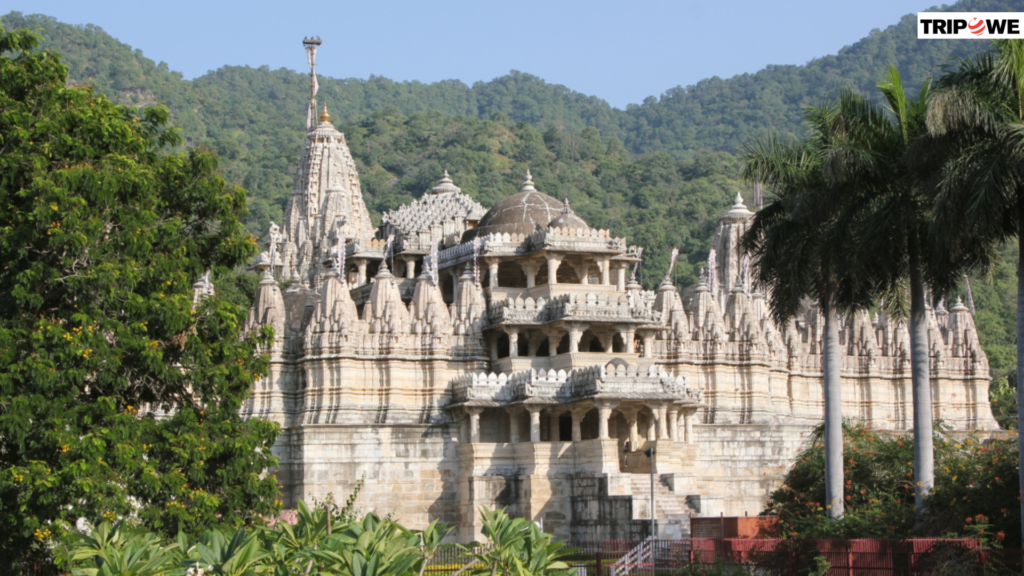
x,y
518,214
568,219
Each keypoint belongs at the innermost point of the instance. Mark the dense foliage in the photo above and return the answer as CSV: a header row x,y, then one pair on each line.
x,y
321,542
117,393
253,105
975,489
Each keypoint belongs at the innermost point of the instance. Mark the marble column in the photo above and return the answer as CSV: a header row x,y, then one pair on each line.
x,y
688,413
492,272
534,422
553,263
410,267
620,280
604,414
604,265
533,343
627,339
634,435
661,412
673,423
513,425
361,274
648,340
474,422
553,428
513,342
577,417
553,339
652,425
531,274
575,334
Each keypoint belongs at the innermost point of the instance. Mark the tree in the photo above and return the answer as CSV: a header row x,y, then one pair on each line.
x,y
800,246
898,159
118,396
979,105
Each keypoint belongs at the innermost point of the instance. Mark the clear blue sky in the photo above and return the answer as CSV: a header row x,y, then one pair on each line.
x,y
619,51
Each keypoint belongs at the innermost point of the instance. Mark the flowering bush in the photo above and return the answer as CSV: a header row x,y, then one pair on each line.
x,y
975,489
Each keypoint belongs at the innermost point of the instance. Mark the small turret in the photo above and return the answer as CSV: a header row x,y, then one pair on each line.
x,y
385,312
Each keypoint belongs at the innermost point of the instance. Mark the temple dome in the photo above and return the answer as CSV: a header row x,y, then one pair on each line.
x,y
568,219
519,213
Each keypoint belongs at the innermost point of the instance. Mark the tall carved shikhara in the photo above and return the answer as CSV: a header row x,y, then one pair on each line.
x,y
506,357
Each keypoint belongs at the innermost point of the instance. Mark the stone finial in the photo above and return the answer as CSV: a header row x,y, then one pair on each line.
x,y
739,209
528,183
325,116
445,186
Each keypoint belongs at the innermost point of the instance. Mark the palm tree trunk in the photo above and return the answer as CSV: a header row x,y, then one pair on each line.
x,y
924,453
831,358
1020,353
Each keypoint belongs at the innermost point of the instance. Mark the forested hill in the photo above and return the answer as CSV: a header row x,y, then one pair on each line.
x,y
715,114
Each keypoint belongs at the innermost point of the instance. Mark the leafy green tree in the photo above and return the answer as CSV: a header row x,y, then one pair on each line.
x,y
119,396
980,106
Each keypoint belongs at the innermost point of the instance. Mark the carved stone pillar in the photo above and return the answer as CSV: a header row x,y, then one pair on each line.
x,y
648,340
620,280
688,412
410,267
575,334
554,430
530,269
553,263
532,343
474,422
554,337
661,412
361,274
652,425
604,265
673,422
513,342
627,335
604,413
534,422
513,425
577,417
634,435
492,272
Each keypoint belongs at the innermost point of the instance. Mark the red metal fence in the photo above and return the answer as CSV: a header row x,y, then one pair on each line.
x,y
775,557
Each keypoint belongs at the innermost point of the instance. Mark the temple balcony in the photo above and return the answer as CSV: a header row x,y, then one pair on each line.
x,y
580,304
568,361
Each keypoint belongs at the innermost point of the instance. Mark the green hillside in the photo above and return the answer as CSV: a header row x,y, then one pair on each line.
x,y
659,172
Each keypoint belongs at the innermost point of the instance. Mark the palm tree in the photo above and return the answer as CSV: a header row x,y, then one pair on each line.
x,y
800,249
894,234
979,106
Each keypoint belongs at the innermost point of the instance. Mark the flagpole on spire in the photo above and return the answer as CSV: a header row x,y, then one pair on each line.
x,y
310,44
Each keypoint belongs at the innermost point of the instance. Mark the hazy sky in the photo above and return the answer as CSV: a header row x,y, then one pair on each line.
x,y
619,51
